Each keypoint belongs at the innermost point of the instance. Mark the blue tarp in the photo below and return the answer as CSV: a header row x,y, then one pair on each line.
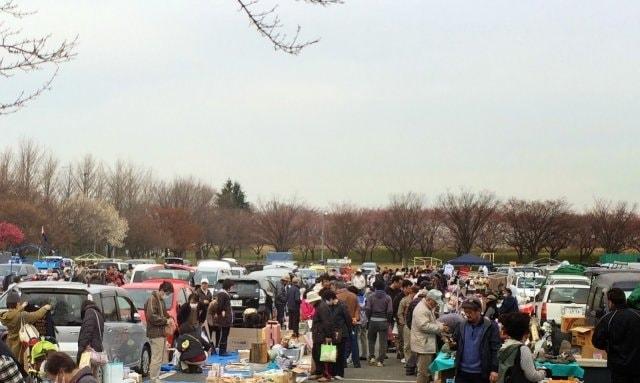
x,y
469,260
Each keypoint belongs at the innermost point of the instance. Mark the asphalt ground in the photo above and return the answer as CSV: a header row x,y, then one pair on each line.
x,y
392,372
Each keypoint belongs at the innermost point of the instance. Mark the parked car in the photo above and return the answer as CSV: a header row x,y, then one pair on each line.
x,y
213,271
602,281
121,266
568,279
562,299
238,271
124,336
24,270
369,268
526,288
141,291
138,271
307,277
177,261
141,261
247,292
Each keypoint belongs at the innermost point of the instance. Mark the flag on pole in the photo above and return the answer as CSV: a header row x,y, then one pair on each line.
x,y
44,235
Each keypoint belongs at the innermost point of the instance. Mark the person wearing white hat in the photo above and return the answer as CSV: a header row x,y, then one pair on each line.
x,y
204,298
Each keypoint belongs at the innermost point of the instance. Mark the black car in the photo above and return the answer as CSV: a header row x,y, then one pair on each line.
x,y
248,292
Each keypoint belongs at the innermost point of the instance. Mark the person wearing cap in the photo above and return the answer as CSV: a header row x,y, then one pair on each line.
x,y
293,305
13,320
281,298
424,330
477,344
204,298
359,281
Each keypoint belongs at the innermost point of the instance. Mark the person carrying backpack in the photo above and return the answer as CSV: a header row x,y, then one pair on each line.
x,y
516,364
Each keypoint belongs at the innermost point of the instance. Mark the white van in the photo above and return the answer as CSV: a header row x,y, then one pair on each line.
x,y
212,270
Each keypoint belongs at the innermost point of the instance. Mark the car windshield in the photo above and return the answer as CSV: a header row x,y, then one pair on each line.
x,y
570,282
9,269
243,288
212,276
65,306
568,295
183,275
140,296
530,283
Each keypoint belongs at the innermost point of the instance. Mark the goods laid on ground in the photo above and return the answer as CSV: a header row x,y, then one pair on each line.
x,y
265,355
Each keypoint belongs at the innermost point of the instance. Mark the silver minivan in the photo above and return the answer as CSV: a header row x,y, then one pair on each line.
x,y
125,337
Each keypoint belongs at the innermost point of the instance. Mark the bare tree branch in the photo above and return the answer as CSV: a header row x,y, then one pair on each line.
x,y
28,54
269,26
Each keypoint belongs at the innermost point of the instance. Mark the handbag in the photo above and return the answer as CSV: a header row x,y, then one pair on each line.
x,y
97,358
85,360
9,372
27,331
328,353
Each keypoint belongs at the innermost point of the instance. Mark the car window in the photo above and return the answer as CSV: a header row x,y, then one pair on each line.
x,y
125,309
182,297
244,288
597,301
65,306
568,295
140,296
109,309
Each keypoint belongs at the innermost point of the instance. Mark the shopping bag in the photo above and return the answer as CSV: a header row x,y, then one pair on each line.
x,y
27,332
328,353
85,359
113,372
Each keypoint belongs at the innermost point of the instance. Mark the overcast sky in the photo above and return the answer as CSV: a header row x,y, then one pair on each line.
x,y
535,99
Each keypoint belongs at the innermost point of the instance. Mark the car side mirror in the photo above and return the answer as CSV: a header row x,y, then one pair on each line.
x,y
136,318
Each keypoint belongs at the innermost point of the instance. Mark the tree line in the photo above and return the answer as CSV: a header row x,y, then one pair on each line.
x,y
88,205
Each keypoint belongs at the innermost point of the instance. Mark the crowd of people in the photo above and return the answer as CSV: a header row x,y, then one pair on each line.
x,y
415,312
412,313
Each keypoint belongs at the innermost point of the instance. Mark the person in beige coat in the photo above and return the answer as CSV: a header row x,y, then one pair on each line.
x,y
424,330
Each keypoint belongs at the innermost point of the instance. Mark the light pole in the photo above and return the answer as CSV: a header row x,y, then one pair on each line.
x,y
322,238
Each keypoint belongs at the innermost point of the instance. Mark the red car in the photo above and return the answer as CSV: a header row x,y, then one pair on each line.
x,y
141,291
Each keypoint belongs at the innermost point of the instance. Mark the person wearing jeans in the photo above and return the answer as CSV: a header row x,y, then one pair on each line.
x,y
157,319
379,310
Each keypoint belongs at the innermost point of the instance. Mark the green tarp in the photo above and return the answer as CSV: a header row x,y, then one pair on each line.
x,y
571,270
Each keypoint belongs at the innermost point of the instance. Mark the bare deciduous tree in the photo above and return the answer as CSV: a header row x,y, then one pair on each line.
x,y
6,180
371,236
309,239
612,224
27,169
279,223
343,229
531,224
48,178
492,234
429,236
400,225
465,215
20,54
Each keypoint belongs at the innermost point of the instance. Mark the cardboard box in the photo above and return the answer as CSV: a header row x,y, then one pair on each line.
x,y
242,338
590,352
581,336
571,321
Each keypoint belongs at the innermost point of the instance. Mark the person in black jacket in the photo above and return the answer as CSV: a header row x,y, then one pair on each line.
x,y
341,320
477,344
191,348
322,332
509,303
92,328
618,332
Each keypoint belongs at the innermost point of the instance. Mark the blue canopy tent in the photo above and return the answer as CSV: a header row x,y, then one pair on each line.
x,y
470,260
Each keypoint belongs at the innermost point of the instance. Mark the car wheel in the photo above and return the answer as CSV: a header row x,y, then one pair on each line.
x,y
145,361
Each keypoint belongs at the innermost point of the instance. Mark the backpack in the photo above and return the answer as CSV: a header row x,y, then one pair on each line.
x,y
514,373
